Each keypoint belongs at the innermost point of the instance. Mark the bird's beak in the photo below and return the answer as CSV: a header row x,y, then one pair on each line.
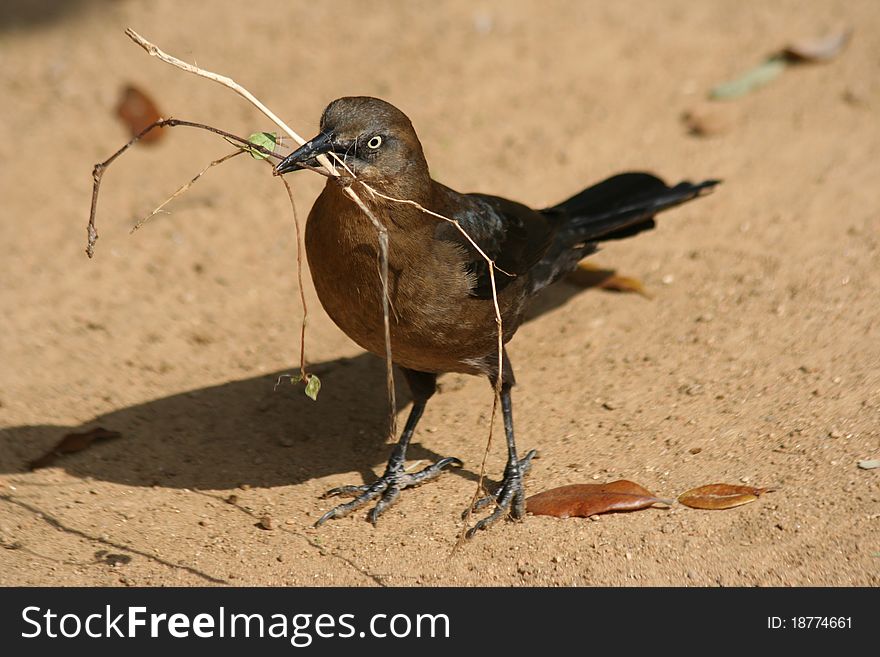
x,y
306,154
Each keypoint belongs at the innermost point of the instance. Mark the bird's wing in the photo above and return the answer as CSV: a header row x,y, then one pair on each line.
x,y
513,235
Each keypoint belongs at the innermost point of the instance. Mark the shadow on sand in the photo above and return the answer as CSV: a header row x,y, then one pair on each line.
x,y
244,432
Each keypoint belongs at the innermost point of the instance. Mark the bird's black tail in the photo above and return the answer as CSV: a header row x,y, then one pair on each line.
x,y
619,207
622,206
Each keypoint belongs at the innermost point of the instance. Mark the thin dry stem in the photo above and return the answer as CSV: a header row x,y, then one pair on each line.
x,y
182,189
495,401
101,167
499,324
454,222
155,51
299,276
386,317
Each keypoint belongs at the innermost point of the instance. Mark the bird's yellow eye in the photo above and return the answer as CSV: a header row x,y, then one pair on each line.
x,y
375,142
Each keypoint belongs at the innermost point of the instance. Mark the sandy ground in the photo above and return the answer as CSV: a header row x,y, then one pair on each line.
x,y
760,348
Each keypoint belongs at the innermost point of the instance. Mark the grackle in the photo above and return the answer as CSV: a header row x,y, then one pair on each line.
x,y
440,292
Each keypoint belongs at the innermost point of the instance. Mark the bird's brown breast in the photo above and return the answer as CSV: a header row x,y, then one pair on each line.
x,y
436,326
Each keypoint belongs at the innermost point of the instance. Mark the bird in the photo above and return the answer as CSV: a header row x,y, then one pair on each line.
x,y
440,287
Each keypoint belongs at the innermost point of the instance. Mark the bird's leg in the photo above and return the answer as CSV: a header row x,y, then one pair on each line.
x,y
387,488
509,498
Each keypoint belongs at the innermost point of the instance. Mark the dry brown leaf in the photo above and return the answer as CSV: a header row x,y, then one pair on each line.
x,y
73,442
583,500
137,111
822,49
720,496
589,275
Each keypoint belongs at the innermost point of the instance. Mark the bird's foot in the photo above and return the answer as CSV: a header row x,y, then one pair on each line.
x,y
509,497
387,488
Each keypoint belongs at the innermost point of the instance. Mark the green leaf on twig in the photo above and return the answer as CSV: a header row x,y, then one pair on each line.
x,y
313,386
267,140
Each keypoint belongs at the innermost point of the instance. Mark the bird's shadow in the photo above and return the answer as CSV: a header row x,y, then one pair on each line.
x,y
252,431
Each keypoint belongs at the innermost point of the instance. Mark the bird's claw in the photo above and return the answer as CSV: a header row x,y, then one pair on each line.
x,y
387,488
509,498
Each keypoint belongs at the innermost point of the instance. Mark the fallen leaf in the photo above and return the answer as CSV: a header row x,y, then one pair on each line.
x,y
73,442
589,275
768,70
583,500
822,49
869,464
137,111
720,496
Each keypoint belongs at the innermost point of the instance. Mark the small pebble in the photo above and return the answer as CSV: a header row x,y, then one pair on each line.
x,y
266,522
708,120
855,97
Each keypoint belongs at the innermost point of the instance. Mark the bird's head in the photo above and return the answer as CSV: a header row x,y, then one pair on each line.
x,y
374,139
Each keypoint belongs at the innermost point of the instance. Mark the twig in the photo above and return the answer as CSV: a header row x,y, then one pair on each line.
x,y
500,326
299,276
454,222
155,51
101,167
183,189
495,401
386,317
